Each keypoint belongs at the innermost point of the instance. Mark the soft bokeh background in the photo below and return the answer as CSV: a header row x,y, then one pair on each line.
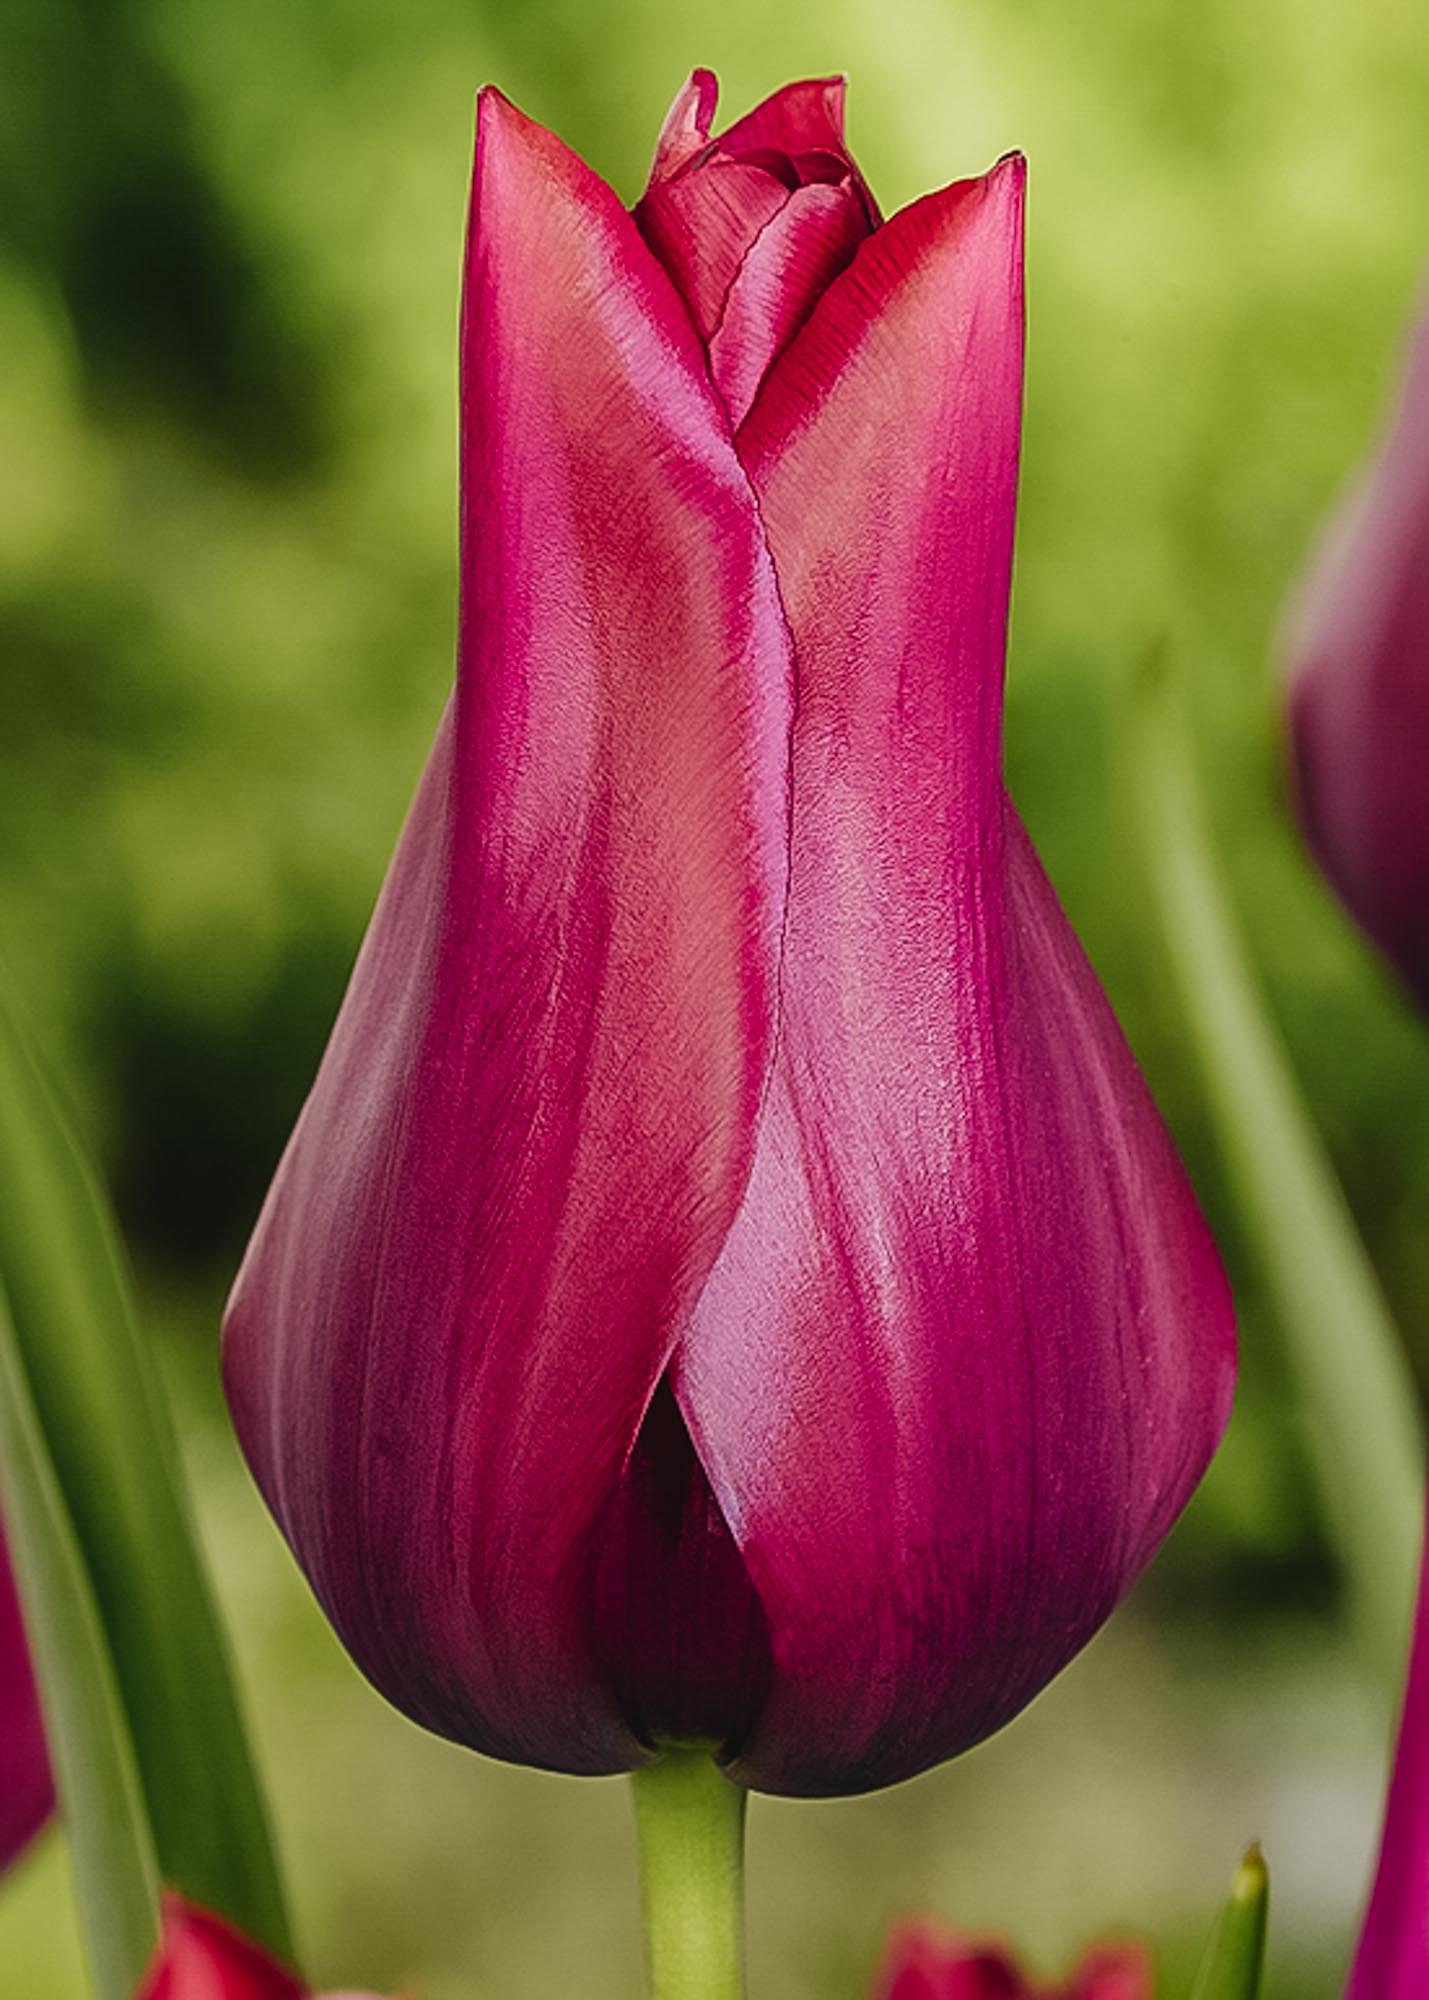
x,y
229,252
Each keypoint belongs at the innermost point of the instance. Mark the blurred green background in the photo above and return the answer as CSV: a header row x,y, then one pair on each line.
x,y
229,256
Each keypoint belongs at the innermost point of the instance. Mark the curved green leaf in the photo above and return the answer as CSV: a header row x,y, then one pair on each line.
x,y
110,1847
1354,1380
102,1413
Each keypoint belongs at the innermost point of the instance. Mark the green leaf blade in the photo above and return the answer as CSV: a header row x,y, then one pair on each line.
x,y
1235,1957
101,1411
110,1845
1346,1355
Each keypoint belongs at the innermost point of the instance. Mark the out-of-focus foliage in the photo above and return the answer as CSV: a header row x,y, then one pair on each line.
x,y
229,257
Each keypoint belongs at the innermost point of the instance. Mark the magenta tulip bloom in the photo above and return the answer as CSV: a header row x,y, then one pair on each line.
x,y
1359,704
1392,1962
924,1961
202,1958
27,1794
729,1281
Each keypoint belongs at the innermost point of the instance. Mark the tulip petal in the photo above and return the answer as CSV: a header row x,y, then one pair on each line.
x,y
794,259
535,1119
202,1958
686,130
1358,653
1392,1961
1113,1972
701,227
802,117
27,1794
754,225
924,1961
968,1346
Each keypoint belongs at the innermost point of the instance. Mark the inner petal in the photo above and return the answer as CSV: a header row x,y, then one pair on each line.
x,y
701,224
676,1624
789,266
755,224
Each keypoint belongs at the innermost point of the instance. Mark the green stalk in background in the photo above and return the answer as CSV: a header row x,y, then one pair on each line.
x,y
689,1821
1235,1956
111,1852
1354,1380
105,1425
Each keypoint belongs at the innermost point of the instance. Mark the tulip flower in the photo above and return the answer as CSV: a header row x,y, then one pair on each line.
x,y
27,1794
1358,655
1392,1958
729,1282
202,1958
926,1962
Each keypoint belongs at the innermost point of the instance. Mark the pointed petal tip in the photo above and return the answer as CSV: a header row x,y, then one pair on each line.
x,y
1006,178
686,129
496,114
835,93
806,115
492,101
1000,195
509,140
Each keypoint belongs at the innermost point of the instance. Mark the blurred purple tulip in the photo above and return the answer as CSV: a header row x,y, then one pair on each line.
x,y
729,1281
27,1794
1358,656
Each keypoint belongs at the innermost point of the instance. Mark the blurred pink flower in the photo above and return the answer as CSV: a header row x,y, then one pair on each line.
x,y
729,1280
27,1794
926,1961
1358,655
202,1958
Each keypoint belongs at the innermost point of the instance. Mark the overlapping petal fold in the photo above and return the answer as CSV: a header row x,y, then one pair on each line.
x,y
27,1794
967,1347
535,1119
754,225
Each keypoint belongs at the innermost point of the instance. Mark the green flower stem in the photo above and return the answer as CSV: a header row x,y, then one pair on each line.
x,y
110,1847
1352,1374
689,1821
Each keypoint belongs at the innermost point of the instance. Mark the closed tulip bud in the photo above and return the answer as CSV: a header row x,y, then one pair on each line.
x,y
202,1958
924,1961
1358,657
729,1281
27,1794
